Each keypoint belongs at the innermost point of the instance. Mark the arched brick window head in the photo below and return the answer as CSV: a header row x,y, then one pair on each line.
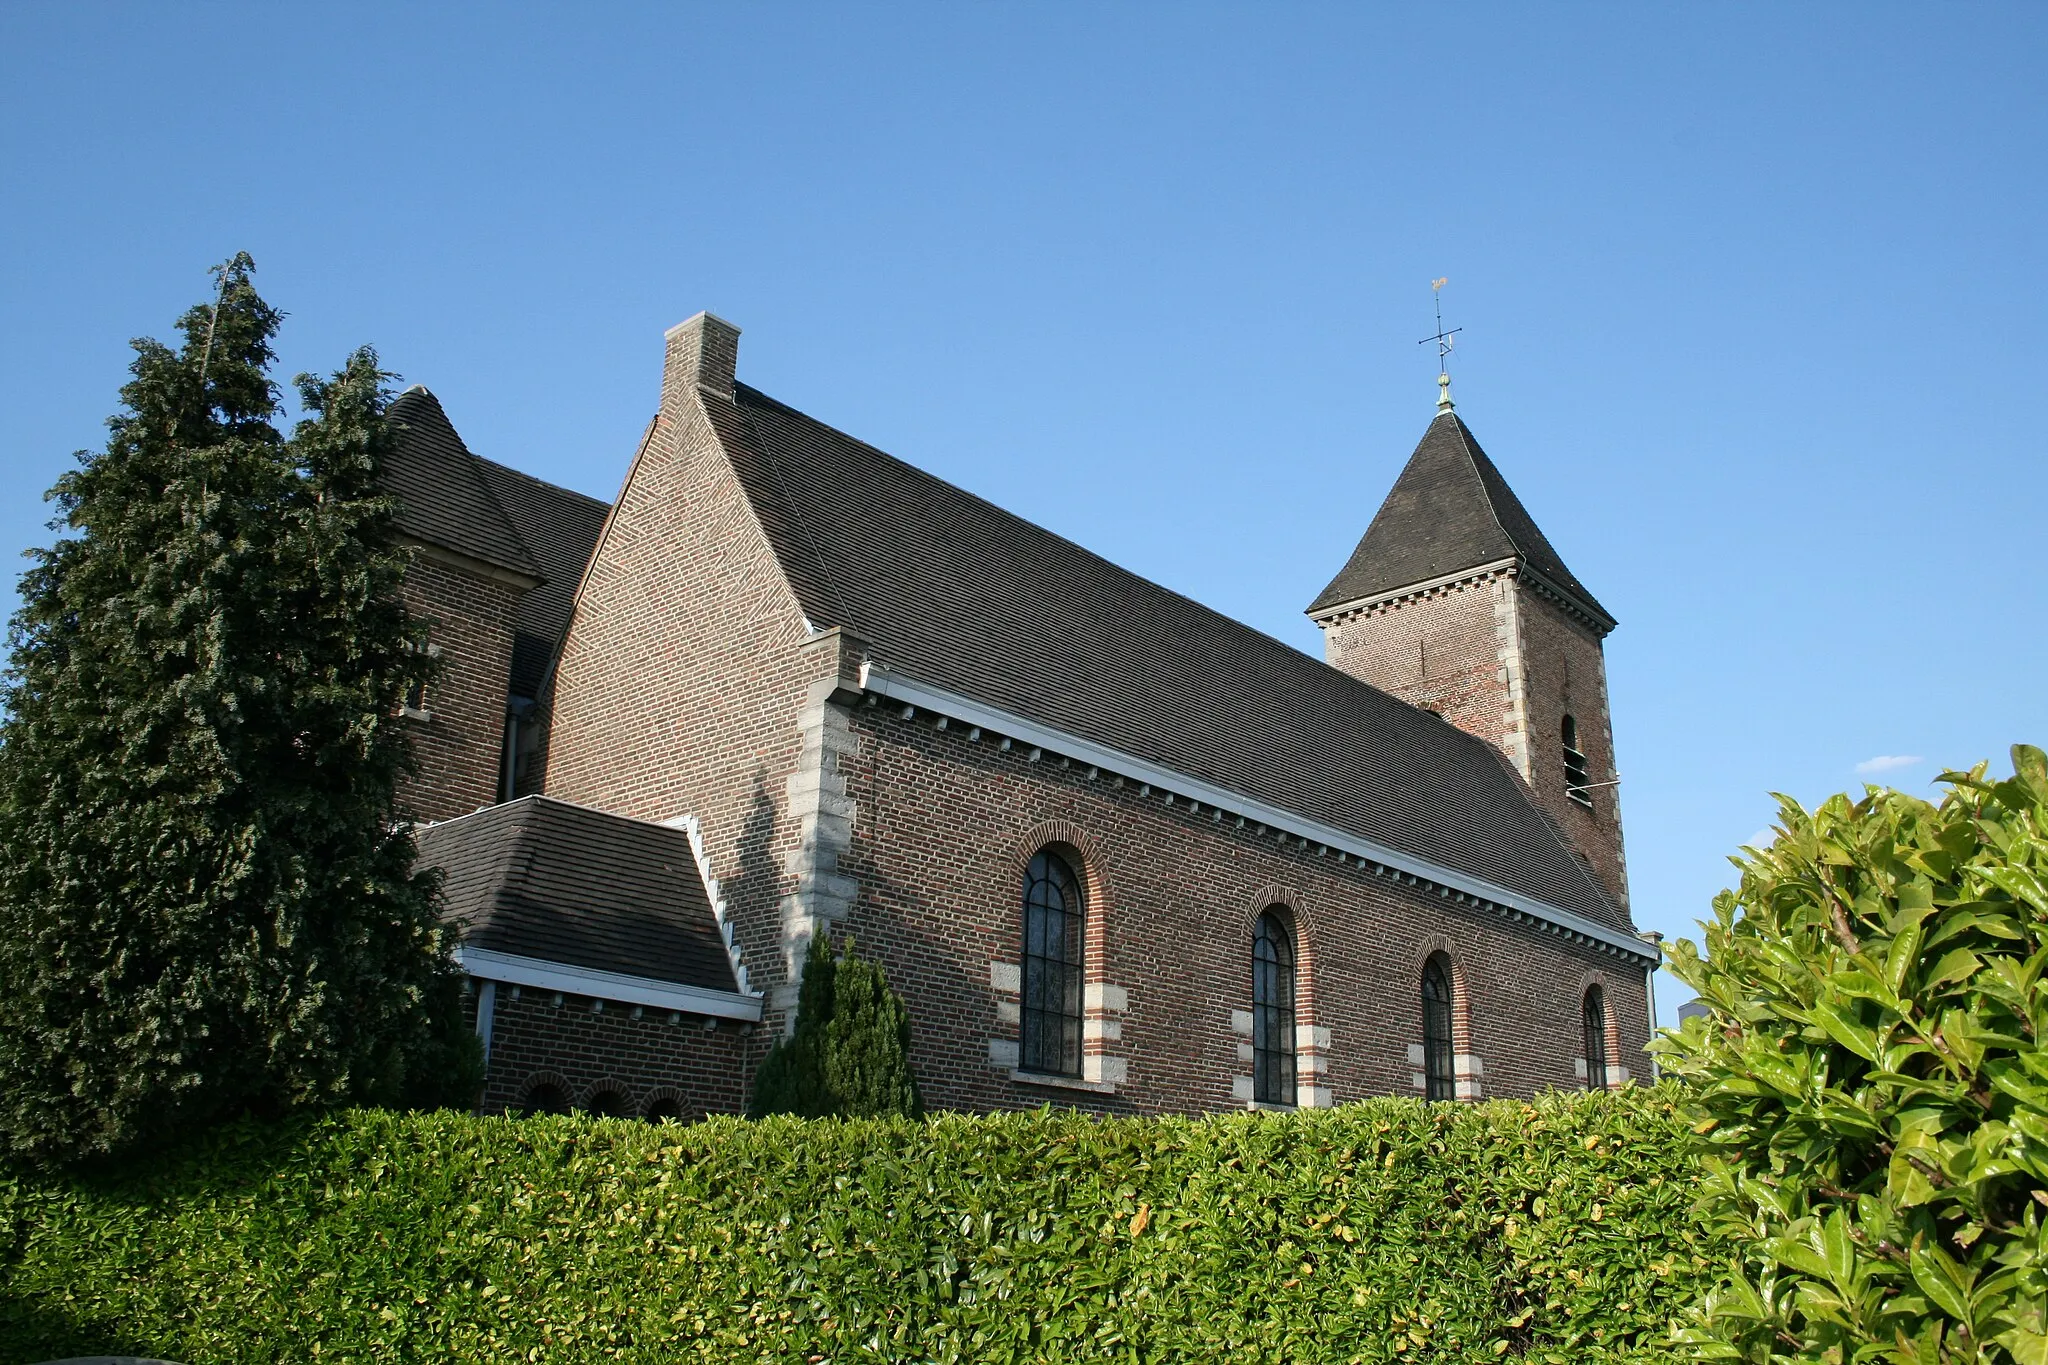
x,y
1439,1079
545,1098
1576,775
1272,1011
1049,1038
1596,1038
663,1109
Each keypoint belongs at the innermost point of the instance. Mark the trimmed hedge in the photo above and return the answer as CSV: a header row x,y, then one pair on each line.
x,y
1559,1230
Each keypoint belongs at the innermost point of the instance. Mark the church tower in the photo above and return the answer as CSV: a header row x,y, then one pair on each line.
x,y
1455,602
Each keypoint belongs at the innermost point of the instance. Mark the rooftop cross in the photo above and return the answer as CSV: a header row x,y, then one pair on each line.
x,y
1444,343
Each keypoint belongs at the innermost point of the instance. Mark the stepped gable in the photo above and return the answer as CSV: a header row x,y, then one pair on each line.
x,y
440,488
544,879
560,529
961,595
1449,511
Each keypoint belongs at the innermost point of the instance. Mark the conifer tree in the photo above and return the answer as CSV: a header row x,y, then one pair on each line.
x,y
207,904
850,1052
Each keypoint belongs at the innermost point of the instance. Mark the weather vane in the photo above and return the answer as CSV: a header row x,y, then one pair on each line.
x,y
1444,343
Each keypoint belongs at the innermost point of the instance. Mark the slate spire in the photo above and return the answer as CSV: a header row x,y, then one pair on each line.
x,y
1448,512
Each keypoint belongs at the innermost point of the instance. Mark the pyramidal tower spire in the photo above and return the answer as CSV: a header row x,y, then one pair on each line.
x,y
1457,603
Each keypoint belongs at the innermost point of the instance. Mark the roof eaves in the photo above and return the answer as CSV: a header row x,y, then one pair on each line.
x,y
878,681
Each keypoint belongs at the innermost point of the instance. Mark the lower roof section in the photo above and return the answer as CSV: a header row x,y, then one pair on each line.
x,y
533,973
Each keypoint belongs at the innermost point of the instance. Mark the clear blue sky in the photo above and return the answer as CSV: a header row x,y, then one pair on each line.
x,y
1753,296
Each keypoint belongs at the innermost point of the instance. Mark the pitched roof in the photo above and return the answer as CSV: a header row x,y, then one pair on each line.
x,y
544,879
966,597
1449,511
560,529
440,488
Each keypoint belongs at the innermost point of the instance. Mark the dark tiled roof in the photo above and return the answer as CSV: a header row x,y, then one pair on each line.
x,y
544,879
441,491
560,528
1450,510
962,595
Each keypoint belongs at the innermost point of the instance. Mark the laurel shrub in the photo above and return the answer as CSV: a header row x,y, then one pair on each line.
x,y
1871,1084
1391,1230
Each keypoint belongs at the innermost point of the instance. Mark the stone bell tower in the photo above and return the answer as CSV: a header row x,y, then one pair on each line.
x,y
1456,603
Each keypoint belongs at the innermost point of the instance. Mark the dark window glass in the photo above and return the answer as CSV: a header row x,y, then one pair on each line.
x,y
608,1104
1050,1035
1576,775
545,1099
1596,1039
663,1110
1439,1082
1272,1011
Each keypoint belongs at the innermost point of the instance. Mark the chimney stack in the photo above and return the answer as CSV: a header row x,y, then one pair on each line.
x,y
702,353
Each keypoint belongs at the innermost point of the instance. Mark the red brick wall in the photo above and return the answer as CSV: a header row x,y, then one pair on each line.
x,y
461,748
639,1054
946,825
1566,671
1440,651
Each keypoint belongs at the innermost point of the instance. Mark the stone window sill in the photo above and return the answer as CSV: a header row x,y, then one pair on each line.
x,y
1262,1107
415,713
1062,1082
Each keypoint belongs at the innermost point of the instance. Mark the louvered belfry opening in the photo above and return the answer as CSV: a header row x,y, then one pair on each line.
x,y
1439,1079
1273,1010
1050,1037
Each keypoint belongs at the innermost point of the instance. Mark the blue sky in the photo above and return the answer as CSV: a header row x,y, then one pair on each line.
x,y
1753,297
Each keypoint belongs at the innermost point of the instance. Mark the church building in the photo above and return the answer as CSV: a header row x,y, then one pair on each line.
x,y
1114,850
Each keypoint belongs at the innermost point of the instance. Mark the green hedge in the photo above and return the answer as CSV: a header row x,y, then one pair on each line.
x,y
1383,1231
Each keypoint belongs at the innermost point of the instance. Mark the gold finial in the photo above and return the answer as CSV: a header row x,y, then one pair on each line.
x,y
1444,343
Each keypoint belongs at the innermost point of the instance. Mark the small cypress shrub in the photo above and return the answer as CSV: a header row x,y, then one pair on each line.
x,y
850,1053
1871,1085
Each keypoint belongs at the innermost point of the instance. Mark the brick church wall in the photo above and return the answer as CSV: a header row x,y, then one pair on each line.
x,y
946,824
1441,650
638,1055
684,672
459,744
1567,673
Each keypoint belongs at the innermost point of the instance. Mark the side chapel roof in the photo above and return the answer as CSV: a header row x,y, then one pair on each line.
x,y
441,492
955,592
544,879
1449,511
451,497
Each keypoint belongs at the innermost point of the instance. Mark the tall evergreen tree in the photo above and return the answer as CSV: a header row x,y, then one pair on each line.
x,y
207,905
850,1052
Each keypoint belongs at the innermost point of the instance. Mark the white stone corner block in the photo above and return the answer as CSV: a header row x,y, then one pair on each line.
x,y
1100,996
1468,1089
1102,1030
1002,1052
1005,976
1579,1067
1313,1097
1245,1051
1311,1036
1418,1080
1241,1022
1009,1012
1468,1064
1105,1070
1241,1089
1415,1057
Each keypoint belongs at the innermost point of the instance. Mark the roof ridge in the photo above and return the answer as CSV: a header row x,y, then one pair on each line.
x,y
1466,442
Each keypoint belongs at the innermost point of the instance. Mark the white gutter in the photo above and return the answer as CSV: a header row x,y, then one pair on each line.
x,y
485,965
879,681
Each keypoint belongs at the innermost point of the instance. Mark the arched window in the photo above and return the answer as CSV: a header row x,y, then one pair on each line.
x,y
1050,1031
1576,774
1272,1011
606,1104
545,1098
663,1109
1439,1081
1596,1039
